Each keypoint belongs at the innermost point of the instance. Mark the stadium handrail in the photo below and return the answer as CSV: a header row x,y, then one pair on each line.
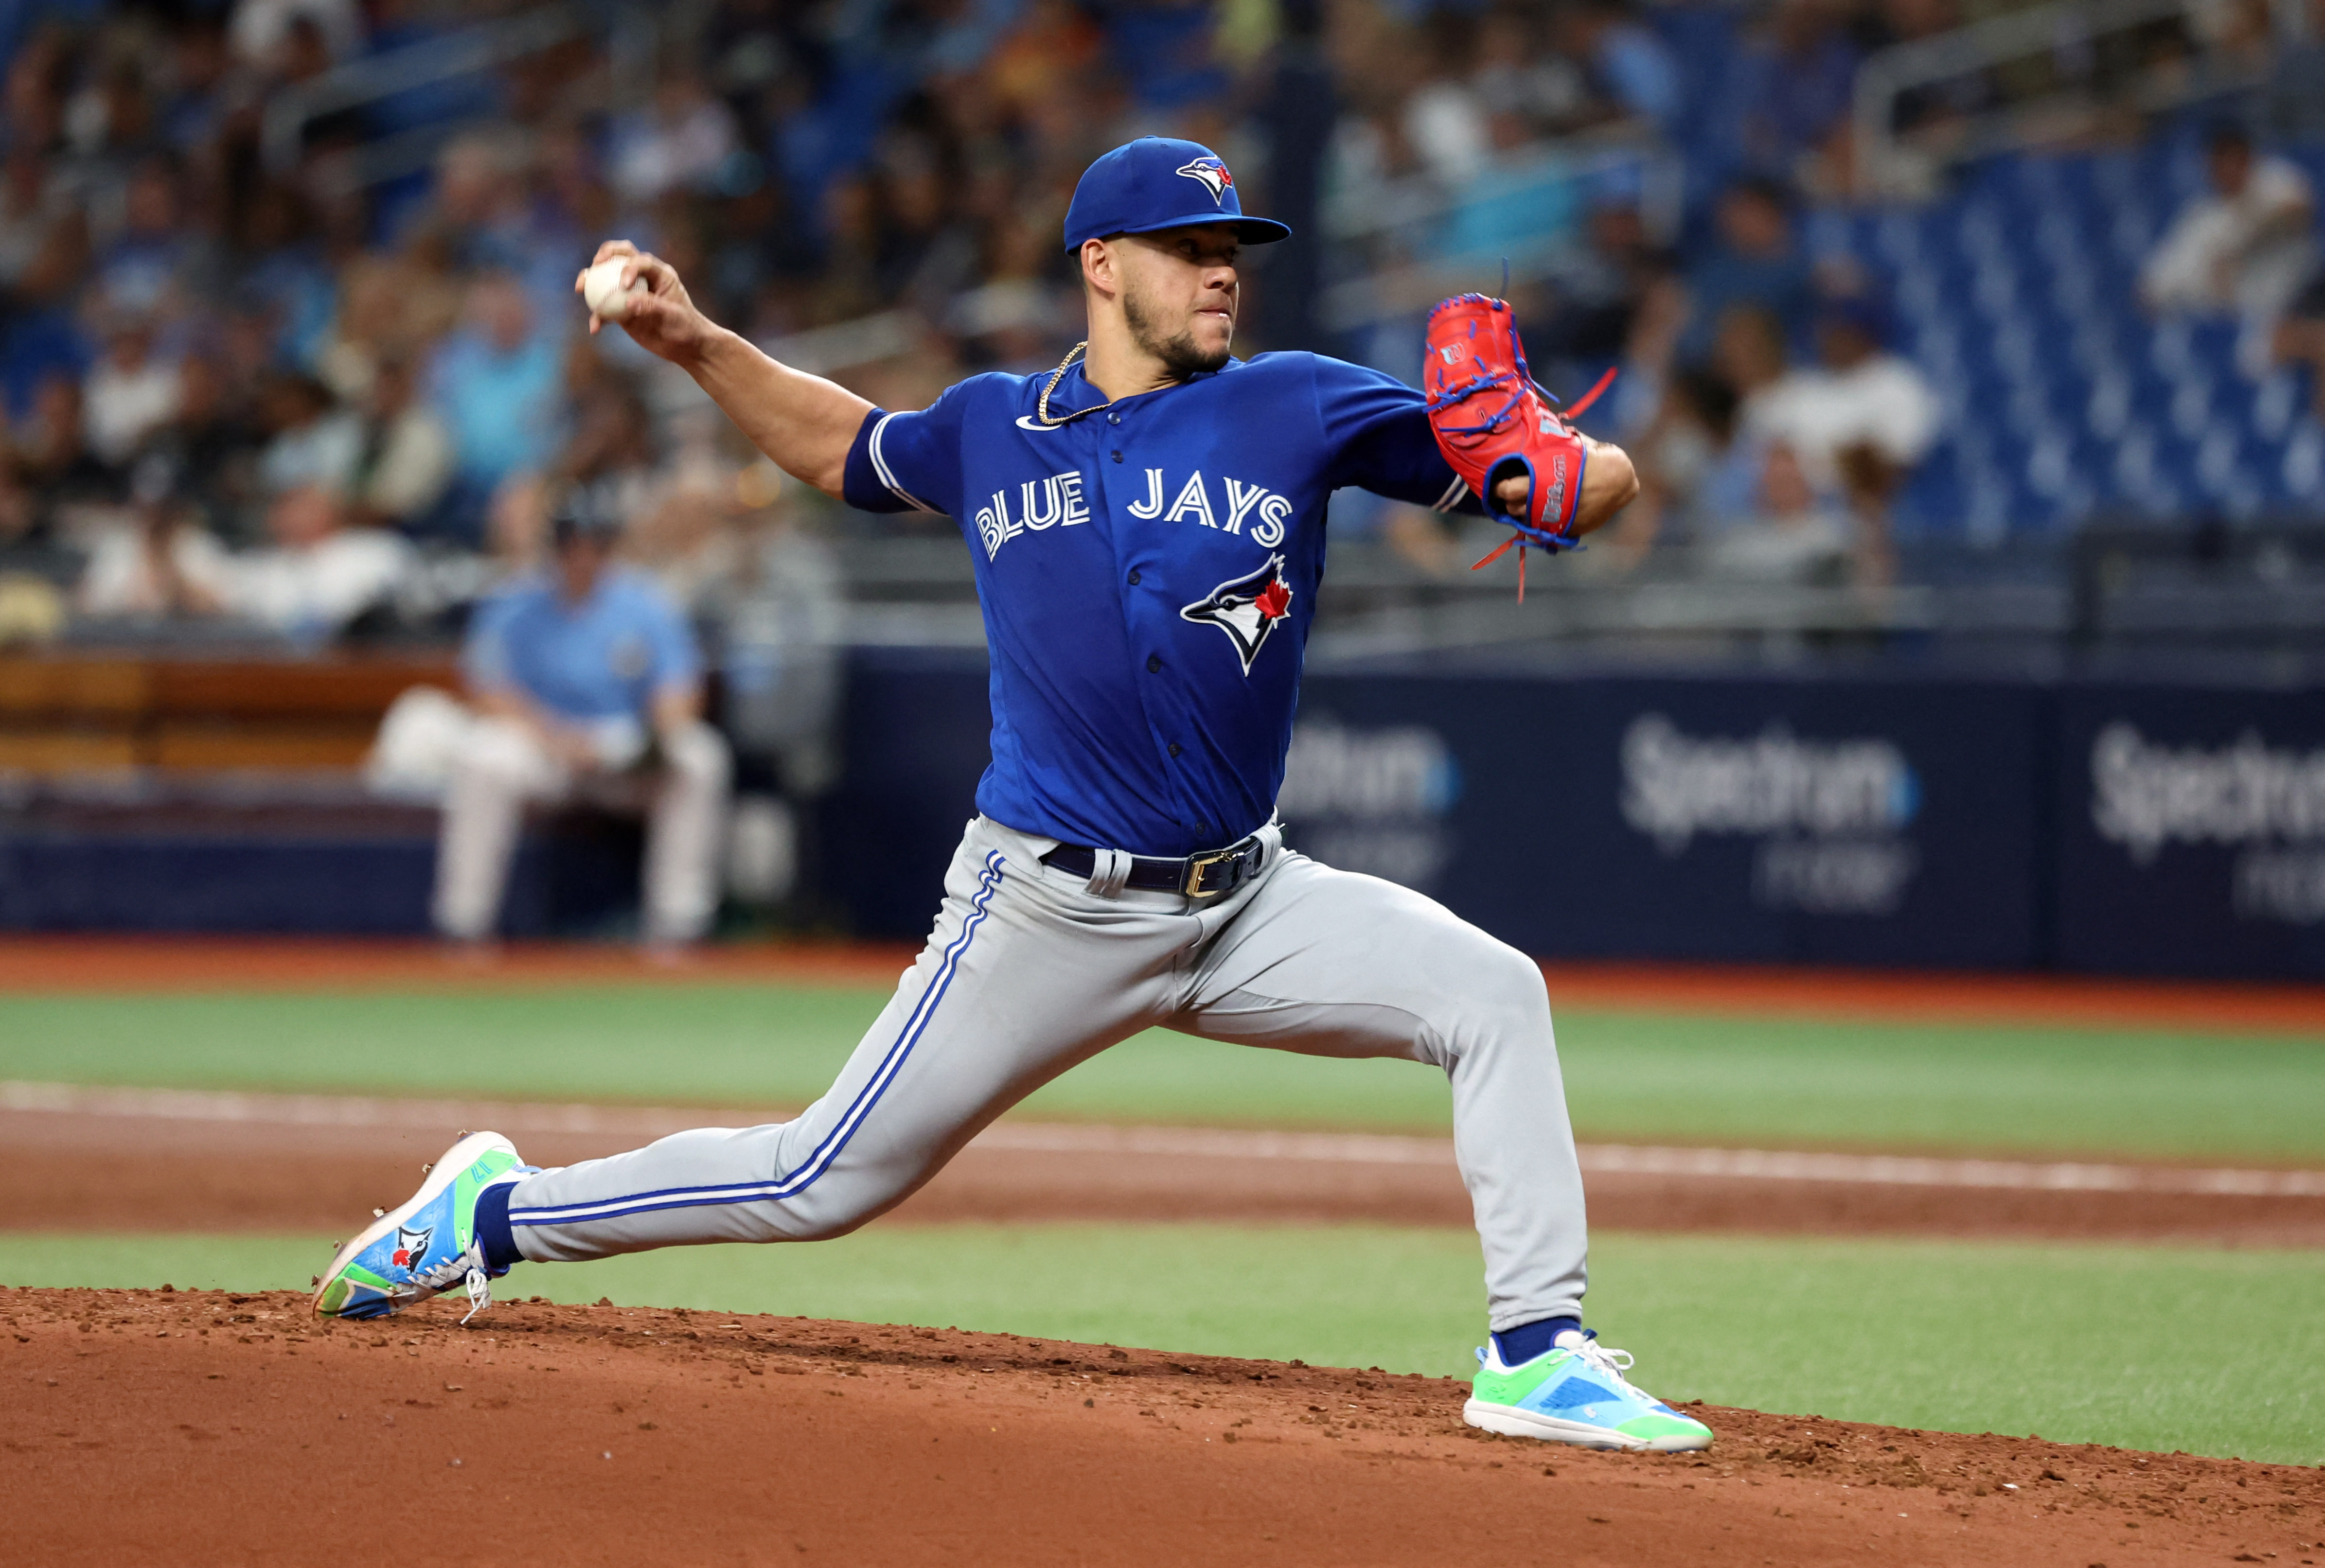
x,y
1894,165
470,51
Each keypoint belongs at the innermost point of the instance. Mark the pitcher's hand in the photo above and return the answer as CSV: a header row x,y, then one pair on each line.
x,y
662,318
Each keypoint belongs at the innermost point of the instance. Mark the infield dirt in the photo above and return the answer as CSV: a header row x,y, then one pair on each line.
x,y
79,1172
199,1427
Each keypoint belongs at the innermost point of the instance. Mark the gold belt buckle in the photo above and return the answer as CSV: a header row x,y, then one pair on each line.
x,y
1196,864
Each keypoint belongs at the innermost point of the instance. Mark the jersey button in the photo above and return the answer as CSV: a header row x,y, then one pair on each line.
x,y
1154,664
1134,579
1117,457
1113,419
1174,748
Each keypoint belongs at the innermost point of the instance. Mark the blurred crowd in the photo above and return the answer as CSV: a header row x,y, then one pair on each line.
x,y
275,379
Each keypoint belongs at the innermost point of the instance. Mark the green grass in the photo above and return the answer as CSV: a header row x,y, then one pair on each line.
x,y
2158,1348
1631,1076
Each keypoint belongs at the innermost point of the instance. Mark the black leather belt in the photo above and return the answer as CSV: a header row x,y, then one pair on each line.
x,y
1208,875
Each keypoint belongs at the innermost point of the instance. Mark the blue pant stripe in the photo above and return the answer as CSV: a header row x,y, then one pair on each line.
x,y
834,1141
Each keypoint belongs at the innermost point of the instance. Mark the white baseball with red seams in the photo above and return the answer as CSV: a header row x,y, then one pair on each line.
x,y
602,290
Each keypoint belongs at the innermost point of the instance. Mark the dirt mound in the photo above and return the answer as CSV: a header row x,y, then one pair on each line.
x,y
201,1427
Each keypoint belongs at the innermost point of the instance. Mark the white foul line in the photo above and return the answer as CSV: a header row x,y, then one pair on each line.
x,y
1174,1142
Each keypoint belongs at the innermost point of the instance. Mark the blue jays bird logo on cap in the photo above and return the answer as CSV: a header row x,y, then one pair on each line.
x,y
1211,174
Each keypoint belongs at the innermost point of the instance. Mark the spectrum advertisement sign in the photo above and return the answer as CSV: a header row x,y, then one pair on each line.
x,y
1844,822
2191,831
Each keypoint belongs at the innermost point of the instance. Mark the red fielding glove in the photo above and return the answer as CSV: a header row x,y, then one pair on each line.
x,y
1492,422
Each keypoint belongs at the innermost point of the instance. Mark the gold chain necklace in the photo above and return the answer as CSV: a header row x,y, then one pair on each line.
x,y
1042,407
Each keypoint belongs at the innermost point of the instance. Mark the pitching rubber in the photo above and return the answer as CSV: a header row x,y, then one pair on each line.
x,y
1511,1422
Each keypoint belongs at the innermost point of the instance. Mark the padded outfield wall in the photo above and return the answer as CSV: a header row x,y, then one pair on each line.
x,y
1888,820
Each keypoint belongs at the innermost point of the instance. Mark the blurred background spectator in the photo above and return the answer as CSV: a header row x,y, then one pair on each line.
x,y
583,679
2242,250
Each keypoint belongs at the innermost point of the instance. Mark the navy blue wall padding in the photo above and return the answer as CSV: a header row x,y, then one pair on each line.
x,y
573,880
1890,819
914,739
2190,831
1527,831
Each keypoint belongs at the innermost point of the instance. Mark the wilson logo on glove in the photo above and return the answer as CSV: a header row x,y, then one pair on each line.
x,y
1494,424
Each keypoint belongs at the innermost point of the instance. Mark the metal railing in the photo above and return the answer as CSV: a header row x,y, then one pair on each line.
x,y
473,50
1403,244
1899,164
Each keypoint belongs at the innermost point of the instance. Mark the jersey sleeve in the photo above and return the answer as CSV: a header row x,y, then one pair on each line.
x,y
1379,439
677,661
908,462
485,662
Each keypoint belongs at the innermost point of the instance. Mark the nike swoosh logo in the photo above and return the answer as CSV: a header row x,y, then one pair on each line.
x,y
1028,422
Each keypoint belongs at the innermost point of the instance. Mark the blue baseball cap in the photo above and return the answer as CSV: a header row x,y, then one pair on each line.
x,y
1160,183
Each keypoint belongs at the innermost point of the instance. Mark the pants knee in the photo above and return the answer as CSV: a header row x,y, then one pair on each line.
x,y
699,755
1503,1001
497,756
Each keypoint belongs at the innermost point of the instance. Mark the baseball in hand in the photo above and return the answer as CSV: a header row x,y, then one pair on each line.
x,y
602,291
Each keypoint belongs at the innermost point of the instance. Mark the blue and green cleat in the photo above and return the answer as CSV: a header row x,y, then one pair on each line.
x,y
1576,1393
429,1244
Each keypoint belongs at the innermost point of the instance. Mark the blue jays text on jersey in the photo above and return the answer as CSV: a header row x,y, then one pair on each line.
x,y
1148,573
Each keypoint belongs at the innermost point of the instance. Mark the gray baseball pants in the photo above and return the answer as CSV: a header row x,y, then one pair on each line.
x,y
1029,971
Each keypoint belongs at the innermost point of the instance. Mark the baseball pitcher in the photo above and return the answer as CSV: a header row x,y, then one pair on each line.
x,y
1147,524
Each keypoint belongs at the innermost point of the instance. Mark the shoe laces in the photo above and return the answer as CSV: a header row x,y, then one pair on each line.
x,y
1606,1358
462,1267
480,1286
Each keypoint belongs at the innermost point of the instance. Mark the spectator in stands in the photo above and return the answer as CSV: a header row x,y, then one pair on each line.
x,y
261,31
1795,535
1677,456
50,453
214,445
1857,395
152,256
318,574
1445,119
498,384
680,144
1799,78
587,681
2299,338
314,441
1597,293
42,335
403,465
2244,250
27,209
1755,260
130,392
156,562
1624,60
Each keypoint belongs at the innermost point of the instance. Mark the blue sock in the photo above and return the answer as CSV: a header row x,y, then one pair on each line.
x,y
1516,1345
493,1226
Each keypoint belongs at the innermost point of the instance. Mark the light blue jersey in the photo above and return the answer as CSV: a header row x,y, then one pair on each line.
x,y
603,659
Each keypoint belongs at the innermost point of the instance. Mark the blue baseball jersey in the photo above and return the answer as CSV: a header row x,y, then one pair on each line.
x,y
1148,574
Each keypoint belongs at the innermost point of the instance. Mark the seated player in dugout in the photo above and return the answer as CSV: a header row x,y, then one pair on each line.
x,y
1146,521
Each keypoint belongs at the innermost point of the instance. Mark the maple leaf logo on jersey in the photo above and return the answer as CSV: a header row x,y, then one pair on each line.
x,y
1211,175
1247,609
410,1247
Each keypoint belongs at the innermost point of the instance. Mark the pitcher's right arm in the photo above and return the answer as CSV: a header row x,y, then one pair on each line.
x,y
803,423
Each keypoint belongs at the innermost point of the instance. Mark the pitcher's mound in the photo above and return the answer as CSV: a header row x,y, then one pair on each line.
x,y
199,1427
